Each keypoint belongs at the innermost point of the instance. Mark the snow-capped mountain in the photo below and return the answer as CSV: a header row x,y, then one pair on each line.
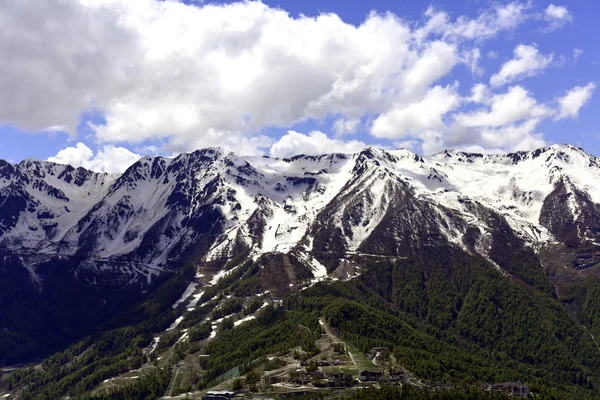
x,y
77,248
211,205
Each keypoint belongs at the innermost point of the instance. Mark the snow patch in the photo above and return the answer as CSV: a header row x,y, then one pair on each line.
x,y
194,302
154,344
175,323
185,335
187,293
241,321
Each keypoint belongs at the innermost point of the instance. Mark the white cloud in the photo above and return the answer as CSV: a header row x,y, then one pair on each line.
x,y
343,126
577,52
315,143
492,55
417,117
506,108
486,25
109,158
521,136
480,93
195,76
557,16
557,12
571,103
498,122
226,74
74,156
201,76
435,61
471,59
409,144
527,62
506,122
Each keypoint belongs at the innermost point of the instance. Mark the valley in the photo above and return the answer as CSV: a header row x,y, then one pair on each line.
x,y
211,271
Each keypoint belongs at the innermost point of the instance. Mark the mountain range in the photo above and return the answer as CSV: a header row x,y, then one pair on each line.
x,y
79,247
216,205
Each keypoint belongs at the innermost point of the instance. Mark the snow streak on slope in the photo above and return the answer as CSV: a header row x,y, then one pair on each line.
x,y
514,184
217,205
276,200
49,198
309,185
518,183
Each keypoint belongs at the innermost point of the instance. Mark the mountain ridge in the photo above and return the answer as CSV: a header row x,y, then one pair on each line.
x,y
491,258
83,200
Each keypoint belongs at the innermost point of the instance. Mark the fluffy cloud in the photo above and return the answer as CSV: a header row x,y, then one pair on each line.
x,y
518,136
577,53
557,16
571,103
492,55
471,59
488,24
314,143
191,76
504,109
342,126
496,122
417,117
503,121
109,158
200,76
527,62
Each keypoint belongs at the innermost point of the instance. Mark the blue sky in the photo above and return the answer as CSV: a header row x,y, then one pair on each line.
x,y
109,82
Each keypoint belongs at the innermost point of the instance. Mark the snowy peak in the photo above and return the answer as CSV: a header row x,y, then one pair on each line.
x,y
42,200
212,205
521,180
558,152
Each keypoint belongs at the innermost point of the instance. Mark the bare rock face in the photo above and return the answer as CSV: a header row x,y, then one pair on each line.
x,y
212,205
312,215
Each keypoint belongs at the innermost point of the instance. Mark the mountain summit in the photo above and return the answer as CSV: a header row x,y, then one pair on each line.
x,y
215,205
488,260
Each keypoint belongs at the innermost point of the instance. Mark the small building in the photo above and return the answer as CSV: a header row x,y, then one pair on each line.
x,y
338,379
296,393
516,389
218,395
300,377
439,386
378,354
370,376
400,377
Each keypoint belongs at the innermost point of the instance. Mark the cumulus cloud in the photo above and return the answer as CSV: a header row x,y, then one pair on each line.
x,y
501,17
480,93
517,136
343,126
109,158
557,16
505,108
191,76
471,58
201,76
506,121
74,156
503,121
577,53
573,100
315,143
527,62
417,117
